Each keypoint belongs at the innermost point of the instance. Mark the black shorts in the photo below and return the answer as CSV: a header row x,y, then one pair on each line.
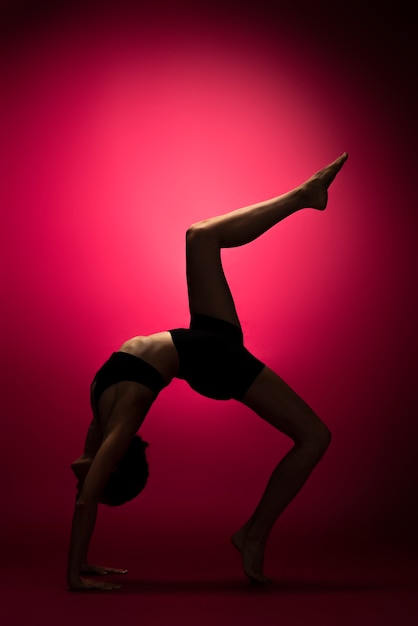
x,y
213,359
122,366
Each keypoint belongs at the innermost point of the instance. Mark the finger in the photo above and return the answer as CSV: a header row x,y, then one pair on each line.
x,y
107,586
94,570
114,570
113,587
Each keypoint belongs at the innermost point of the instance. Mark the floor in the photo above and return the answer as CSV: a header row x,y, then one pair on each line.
x,y
339,585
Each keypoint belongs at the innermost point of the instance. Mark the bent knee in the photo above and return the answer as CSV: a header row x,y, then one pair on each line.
x,y
324,438
318,440
198,231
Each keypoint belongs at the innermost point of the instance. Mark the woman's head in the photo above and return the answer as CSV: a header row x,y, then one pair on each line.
x,y
126,481
130,476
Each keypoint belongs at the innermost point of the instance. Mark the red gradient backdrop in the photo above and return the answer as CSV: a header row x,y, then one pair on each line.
x,y
121,128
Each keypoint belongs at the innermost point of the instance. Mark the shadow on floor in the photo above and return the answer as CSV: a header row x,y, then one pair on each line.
x,y
229,587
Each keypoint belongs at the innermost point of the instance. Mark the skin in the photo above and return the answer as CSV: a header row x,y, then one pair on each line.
x,y
123,407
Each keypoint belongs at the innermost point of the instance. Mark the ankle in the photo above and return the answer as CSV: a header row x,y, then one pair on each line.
x,y
256,540
254,535
302,196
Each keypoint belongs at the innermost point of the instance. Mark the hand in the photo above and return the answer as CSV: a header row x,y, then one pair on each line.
x,y
98,570
85,584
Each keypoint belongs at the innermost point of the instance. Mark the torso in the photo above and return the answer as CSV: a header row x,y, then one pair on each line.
x,y
158,350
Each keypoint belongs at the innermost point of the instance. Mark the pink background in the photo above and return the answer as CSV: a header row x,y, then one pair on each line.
x,y
121,127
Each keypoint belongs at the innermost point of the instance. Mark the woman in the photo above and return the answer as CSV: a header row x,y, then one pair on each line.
x,y
211,357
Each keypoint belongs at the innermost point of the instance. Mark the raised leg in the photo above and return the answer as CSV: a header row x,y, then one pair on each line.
x,y
273,400
208,289
268,396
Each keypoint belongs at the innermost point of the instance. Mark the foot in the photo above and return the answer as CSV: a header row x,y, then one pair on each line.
x,y
252,553
315,188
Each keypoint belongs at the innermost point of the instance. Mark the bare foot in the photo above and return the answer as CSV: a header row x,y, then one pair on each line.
x,y
316,187
252,553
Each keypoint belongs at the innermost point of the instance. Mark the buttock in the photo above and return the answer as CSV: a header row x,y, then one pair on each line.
x,y
216,326
213,359
122,366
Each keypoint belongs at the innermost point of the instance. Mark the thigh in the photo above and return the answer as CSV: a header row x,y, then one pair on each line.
x,y
208,289
274,401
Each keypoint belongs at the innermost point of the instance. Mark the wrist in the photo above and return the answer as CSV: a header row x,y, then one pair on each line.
x,y
73,579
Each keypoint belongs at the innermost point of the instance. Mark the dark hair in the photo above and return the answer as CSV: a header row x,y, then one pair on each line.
x,y
130,476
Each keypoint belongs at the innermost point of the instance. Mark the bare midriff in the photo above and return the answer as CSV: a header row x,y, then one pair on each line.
x,y
158,350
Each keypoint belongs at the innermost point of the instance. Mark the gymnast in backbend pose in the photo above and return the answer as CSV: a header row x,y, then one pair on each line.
x,y
211,357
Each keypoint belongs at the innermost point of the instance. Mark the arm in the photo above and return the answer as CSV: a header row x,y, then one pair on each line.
x,y
84,520
93,439
94,434
85,512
